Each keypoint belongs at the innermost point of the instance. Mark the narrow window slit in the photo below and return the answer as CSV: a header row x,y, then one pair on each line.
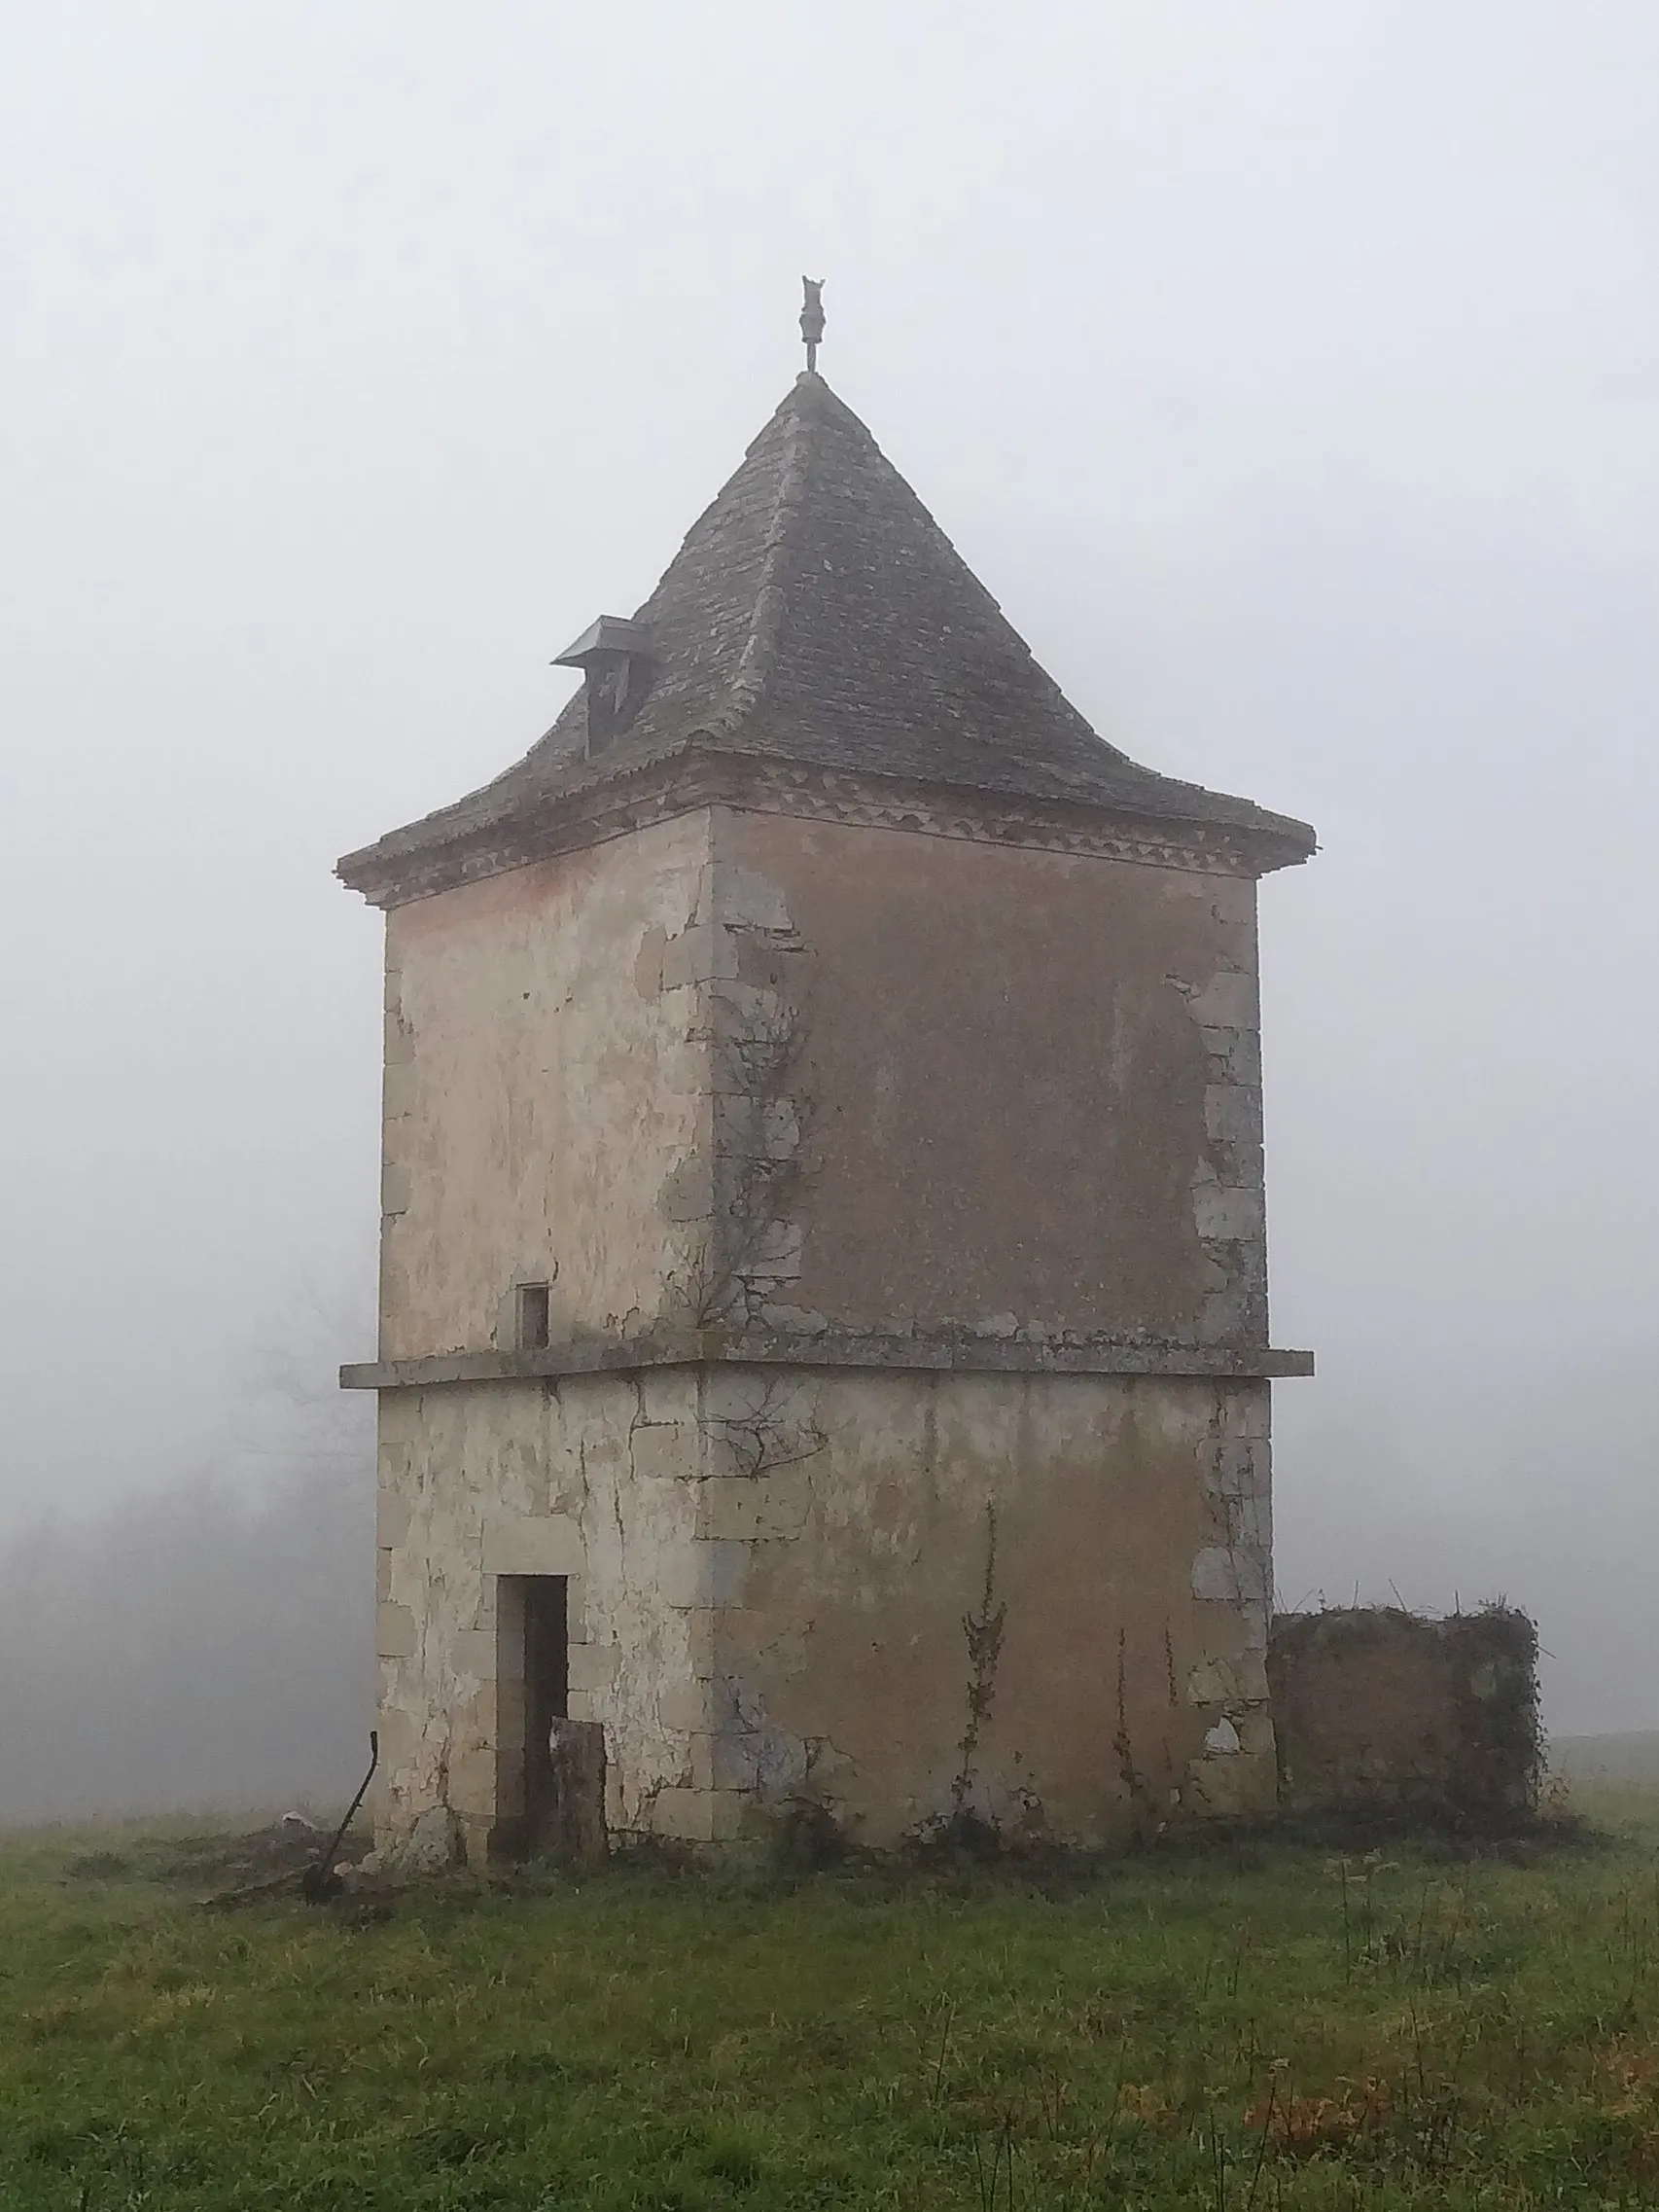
x,y
533,1317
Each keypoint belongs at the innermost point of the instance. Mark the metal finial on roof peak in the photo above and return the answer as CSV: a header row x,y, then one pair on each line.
x,y
812,319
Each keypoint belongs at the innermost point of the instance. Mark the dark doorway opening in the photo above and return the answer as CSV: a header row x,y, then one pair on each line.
x,y
547,1694
531,1691
550,1770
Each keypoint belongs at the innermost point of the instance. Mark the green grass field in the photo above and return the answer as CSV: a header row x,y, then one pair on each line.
x,y
1241,2029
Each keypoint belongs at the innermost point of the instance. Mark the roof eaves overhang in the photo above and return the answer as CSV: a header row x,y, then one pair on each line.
x,y
578,813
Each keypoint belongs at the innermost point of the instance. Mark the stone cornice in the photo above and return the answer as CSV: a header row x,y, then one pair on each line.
x,y
537,828
957,1353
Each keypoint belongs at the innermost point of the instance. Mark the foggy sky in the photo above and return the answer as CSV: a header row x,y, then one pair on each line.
x,y
1290,375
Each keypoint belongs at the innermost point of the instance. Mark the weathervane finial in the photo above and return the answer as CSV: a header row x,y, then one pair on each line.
x,y
812,319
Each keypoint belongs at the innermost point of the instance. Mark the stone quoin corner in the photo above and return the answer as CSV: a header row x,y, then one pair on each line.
x,y
824,1361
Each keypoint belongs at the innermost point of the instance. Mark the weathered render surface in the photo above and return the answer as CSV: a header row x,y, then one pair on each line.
x,y
713,1074
543,1096
1038,1600
589,1479
866,1059
901,1597
1019,1089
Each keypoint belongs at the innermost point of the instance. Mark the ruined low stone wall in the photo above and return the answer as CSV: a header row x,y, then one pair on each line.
x,y
1379,1713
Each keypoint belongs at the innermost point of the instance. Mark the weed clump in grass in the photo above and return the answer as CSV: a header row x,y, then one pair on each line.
x,y
96,1866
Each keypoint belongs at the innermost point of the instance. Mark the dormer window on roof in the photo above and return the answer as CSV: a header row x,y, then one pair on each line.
x,y
614,658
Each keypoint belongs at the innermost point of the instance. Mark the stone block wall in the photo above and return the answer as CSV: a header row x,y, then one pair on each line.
x,y
1381,1713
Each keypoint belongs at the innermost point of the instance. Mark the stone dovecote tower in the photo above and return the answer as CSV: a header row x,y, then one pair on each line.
x,y
823,1298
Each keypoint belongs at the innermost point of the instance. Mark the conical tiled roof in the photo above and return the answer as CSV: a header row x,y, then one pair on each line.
x,y
817,617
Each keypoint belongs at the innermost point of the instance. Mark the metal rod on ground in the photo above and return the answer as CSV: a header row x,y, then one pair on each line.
x,y
319,1880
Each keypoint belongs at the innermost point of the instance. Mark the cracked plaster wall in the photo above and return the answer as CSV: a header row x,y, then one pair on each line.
x,y
773,1575
1131,1570
544,1096
592,1478
759,1071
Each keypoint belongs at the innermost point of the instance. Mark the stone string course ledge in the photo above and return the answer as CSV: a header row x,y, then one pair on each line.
x,y
957,1354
